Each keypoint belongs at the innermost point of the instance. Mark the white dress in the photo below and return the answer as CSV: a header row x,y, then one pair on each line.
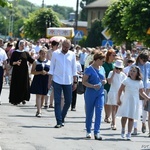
x,y
114,87
130,100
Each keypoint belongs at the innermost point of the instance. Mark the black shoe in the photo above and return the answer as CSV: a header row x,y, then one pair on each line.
x,y
58,126
143,128
73,109
24,102
45,106
97,137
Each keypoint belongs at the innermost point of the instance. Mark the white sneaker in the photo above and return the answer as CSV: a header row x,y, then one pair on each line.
x,y
128,136
88,135
123,134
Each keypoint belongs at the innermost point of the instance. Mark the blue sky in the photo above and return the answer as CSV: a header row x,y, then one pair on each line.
x,y
69,3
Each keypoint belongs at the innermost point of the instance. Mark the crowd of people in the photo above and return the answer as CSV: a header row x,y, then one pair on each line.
x,y
115,79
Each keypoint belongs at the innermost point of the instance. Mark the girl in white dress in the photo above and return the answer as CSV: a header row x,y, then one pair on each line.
x,y
129,104
115,79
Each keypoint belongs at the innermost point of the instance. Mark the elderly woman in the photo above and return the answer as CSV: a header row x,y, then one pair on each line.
x,y
94,94
19,87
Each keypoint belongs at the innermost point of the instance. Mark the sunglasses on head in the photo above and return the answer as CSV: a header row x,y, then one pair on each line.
x,y
118,68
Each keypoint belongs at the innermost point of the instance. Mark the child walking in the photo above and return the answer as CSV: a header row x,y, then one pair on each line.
x,y
115,79
129,104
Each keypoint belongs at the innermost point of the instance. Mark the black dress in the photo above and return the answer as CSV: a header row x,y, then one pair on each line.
x,y
20,86
39,83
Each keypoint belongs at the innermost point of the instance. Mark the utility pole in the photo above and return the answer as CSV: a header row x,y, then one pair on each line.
x,y
76,16
42,3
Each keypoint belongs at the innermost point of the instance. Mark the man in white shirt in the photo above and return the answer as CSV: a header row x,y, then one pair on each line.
x,y
63,77
3,63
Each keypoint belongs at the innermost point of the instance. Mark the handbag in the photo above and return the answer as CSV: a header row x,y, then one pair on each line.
x,y
80,88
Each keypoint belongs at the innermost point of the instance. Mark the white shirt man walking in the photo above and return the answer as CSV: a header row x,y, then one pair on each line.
x,y
63,77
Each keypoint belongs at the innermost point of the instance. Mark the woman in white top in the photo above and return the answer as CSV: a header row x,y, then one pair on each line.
x,y
115,79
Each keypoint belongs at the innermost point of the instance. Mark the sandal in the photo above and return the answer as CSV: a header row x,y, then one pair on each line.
x,y
107,120
51,106
38,114
113,127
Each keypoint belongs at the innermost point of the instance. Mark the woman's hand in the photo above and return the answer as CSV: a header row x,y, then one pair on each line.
x,y
96,86
44,72
18,62
104,82
119,102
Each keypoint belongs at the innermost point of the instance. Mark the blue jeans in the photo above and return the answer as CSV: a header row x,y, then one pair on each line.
x,y
67,91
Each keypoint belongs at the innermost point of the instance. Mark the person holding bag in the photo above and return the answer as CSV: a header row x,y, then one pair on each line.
x,y
94,94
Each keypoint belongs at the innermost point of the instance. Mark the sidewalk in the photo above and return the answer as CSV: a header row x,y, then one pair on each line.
x,y
21,130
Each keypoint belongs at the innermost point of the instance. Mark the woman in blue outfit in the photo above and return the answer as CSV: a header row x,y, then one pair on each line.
x,y
39,85
94,94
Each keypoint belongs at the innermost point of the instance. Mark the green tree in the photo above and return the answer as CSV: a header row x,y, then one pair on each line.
x,y
112,20
95,37
82,42
136,21
35,26
64,11
4,3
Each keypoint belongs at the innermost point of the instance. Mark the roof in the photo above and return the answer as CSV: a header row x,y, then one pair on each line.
x,y
72,23
99,3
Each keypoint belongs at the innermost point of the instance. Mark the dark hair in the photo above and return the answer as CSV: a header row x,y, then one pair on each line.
x,y
139,75
99,55
54,43
47,46
144,55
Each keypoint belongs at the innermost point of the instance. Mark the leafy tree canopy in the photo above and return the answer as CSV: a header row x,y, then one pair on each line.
x,y
35,26
128,21
95,37
136,21
112,20
4,3
64,11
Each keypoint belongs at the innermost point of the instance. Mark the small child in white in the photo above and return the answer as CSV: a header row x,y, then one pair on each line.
x,y
129,104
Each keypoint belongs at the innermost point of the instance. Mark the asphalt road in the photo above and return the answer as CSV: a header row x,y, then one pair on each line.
x,y
21,130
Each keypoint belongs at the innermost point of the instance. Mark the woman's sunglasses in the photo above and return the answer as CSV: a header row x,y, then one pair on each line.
x,y
118,68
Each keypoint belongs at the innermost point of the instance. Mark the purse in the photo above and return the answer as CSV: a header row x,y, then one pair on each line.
x,y
80,88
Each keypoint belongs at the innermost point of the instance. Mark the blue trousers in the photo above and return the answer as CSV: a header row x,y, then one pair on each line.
x,y
94,100
67,91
